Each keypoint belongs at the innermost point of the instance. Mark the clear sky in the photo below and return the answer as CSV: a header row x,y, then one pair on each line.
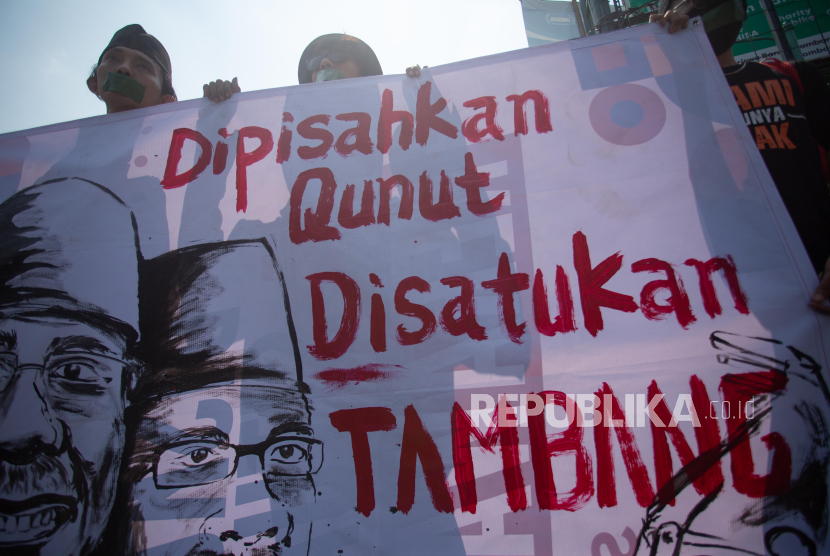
x,y
49,46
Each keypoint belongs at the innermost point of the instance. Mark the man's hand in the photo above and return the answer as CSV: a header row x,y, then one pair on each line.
x,y
221,90
819,300
677,18
414,71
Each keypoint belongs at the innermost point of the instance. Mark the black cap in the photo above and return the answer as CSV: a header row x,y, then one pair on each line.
x,y
364,56
70,251
134,36
198,302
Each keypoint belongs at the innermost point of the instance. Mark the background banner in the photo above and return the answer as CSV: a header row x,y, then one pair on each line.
x,y
543,302
806,21
549,21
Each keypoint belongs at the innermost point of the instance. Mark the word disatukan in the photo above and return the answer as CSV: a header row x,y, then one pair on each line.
x,y
458,316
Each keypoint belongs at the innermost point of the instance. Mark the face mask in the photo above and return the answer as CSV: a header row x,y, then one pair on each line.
x,y
123,85
329,74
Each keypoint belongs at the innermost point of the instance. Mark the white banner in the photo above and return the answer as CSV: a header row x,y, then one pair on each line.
x,y
536,303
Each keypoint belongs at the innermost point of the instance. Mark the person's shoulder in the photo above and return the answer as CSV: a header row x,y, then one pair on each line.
x,y
808,72
771,68
748,72
805,66
802,72
774,64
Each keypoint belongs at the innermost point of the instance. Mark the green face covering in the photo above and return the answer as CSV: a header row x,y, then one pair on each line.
x,y
329,74
123,85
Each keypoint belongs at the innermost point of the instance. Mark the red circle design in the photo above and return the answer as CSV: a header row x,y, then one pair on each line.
x,y
654,114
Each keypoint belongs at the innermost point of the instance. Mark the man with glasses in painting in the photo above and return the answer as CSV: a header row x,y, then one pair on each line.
x,y
68,334
223,453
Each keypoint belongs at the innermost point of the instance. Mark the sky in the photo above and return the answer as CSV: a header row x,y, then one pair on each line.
x,y
48,47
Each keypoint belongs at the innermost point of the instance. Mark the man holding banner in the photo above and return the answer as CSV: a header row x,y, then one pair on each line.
x,y
337,56
786,108
133,71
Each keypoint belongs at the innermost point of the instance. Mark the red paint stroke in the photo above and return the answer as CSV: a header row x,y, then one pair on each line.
x,y
377,330
471,130
678,300
472,181
463,305
245,159
307,130
317,222
564,322
543,447
346,216
426,116
463,431
634,466
444,209
505,285
173,180
704,484
541,112
220,158
284,142
323,348
738,390
358,423
356,138
336,379
707,289
407,197
405,307
417,444
591,279
387,117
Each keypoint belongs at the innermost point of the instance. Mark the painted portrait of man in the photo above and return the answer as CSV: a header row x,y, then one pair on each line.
x,y
223,450
68,335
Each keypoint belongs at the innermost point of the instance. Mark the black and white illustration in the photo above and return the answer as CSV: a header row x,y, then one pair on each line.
x,y
795,519
223,453
68,363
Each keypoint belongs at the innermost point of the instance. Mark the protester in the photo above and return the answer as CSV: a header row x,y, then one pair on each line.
x,y
337,56
722,19
340,56
798,105
133,71
326,58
